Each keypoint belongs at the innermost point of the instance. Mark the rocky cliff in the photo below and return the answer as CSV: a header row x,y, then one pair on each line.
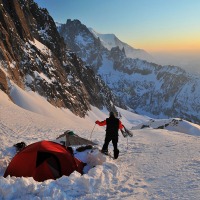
x,y
35,57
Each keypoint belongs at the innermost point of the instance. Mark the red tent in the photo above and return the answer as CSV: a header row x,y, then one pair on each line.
x,y
43,160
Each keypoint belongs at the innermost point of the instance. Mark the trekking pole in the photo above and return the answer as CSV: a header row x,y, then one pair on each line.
x,y
127,143
92,131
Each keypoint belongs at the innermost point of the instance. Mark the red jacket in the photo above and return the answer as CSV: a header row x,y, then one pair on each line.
x,y
103,123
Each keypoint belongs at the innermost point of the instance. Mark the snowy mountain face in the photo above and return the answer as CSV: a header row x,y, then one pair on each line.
x,y
35,58
110,40
148,88
159,164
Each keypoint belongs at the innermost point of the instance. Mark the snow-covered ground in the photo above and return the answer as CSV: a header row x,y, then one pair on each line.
x,y
154,164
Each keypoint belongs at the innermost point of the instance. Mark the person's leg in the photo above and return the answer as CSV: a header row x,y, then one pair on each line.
x,y
106,143
116,151
115,141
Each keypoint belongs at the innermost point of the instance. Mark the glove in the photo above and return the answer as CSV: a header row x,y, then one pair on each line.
x,y
97,122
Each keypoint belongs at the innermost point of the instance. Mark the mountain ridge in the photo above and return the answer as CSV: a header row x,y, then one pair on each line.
x,y
146,87
110,40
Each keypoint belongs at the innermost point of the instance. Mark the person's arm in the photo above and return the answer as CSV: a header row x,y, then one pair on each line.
x,y
102,123
121,126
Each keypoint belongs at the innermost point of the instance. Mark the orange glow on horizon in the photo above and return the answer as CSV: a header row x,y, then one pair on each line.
x,y
170,45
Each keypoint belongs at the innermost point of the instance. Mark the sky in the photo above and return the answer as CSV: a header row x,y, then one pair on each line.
x,y
157,26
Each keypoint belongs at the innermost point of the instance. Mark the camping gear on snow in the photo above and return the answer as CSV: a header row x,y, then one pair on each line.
x,y
44,160
20,146
69,139
83,148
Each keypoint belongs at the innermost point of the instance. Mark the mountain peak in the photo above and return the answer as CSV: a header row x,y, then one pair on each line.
x,y
110,40
75,21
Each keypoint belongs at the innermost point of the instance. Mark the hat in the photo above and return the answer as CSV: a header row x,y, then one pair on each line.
x,y
112,113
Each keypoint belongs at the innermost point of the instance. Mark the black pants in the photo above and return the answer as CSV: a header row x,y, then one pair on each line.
x,y
107,141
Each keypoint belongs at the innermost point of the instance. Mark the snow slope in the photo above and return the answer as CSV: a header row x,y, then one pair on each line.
x,y
173,124
153,164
